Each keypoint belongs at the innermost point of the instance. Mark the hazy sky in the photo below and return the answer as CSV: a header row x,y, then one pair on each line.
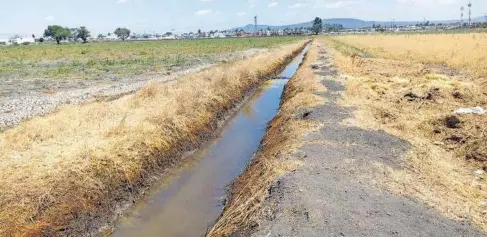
x,y
102,16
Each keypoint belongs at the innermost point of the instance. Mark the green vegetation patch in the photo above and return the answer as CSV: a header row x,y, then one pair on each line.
x,y
347,49
74,61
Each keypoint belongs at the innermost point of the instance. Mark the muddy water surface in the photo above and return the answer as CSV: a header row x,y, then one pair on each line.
x,y
188,204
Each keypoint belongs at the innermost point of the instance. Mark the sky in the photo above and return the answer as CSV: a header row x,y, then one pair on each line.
x,y
26,17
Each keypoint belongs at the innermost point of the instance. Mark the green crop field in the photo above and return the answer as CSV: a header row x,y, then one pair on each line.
x,y
96,60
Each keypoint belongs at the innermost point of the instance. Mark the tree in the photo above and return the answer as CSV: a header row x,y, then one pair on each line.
x,y
58,33
317,25
83,33
100,36
74,34
122,33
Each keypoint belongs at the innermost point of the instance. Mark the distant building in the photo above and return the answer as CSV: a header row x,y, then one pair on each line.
x,y
17,40
218,35
169,37
23,40
110,38
4,42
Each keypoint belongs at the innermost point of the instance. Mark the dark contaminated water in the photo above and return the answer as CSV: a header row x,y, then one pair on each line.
x,y
188,203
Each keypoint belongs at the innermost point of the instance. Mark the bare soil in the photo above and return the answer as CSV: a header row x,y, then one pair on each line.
x,y
21,98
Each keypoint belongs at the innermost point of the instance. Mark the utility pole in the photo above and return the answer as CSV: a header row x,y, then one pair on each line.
x,y
469,13
255,25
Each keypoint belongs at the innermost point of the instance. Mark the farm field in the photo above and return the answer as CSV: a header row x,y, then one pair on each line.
x,y
94,60
37,79
458,51
410,86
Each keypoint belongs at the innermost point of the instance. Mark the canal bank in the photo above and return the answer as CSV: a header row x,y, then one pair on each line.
x,y
190,202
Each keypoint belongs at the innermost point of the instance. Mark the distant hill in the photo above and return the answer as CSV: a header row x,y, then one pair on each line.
x,y
347,23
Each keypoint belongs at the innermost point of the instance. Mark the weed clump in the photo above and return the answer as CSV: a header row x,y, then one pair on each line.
x,y
452,121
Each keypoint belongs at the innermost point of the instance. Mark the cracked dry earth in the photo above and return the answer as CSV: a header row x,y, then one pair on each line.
x,y
326,197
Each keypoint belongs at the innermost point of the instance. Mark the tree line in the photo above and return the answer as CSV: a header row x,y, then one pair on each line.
x,y
60,33
319,26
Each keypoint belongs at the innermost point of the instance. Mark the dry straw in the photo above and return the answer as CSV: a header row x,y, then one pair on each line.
x,y
413,100
60,173
282,138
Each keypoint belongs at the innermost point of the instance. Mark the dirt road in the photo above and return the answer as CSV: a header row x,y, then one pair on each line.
x,y
333,192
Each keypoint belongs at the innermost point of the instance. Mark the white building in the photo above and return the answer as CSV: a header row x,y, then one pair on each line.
x,y
169,37
4,42
111,37
218,35
17,40
23,40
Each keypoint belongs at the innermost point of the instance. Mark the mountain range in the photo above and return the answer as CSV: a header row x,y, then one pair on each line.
x,y
347,23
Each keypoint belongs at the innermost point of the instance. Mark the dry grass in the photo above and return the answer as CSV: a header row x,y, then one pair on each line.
x,y
412,100
273,159
60,172
459,51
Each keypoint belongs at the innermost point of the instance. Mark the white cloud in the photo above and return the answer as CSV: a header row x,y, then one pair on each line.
x,y
122,1
49,18
206,0
273,4
241,13
252,6
203,12
298,5
344,3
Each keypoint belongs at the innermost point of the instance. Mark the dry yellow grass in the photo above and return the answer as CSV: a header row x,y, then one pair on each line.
x,y
411,100
459,51
282,138
60,172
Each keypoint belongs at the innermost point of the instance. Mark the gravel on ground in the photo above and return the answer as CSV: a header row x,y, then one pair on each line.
x,y
24,99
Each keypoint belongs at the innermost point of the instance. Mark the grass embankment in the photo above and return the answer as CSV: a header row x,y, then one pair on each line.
x,y
416,102
458,51
283,137
61,173
97,60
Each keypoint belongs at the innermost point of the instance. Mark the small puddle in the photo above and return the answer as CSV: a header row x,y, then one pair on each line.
x,y
186,205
